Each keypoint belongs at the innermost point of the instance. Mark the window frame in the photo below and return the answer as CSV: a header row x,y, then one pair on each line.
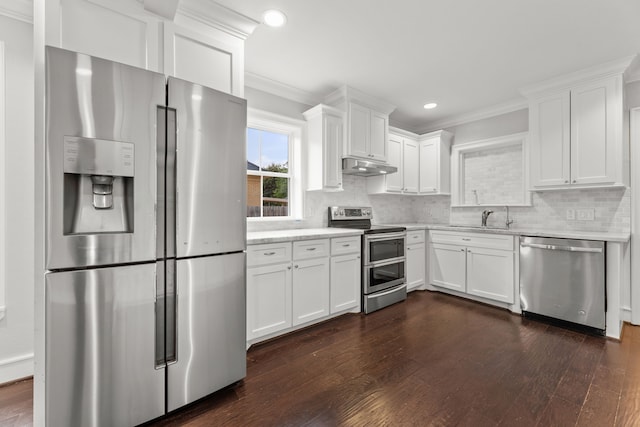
x,y
271,122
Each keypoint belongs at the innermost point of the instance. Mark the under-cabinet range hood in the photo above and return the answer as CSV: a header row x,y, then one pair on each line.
x,y
359,167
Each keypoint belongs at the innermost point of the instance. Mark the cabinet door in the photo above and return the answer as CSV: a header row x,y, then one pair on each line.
x,y
593,133
394,180
416,260
332,173
345,282
429,167
490,274
268,299
550,140
379,132
310,290
359,131
447,266
410,162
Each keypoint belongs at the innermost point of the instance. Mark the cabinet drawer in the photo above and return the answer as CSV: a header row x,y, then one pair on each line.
x,y
345,245
416,236
306,249
270,253
481,240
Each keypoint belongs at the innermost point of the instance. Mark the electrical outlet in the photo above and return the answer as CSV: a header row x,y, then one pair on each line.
x,y
571,214
586,214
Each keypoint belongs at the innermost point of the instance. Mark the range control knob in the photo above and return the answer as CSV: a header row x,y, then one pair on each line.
x,y
341,213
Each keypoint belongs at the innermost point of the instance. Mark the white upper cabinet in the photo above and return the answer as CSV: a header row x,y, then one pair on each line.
x,y
367,123
324,148
434,155
402,152
576,130
202,42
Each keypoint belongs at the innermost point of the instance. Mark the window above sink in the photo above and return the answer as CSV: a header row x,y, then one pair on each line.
x,y
490,172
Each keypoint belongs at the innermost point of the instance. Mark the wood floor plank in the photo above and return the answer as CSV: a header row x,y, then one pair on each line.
x,y
431,360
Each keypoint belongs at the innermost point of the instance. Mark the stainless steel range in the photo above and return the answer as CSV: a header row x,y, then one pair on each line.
x,y
383,257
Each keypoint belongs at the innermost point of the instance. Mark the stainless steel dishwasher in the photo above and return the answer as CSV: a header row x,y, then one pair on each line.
x,y
563,279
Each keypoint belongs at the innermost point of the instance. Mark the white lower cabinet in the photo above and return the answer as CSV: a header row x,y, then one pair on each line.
x,y
290,285
310,290
268,299
476,264
415,259
447,266
490,274
345,272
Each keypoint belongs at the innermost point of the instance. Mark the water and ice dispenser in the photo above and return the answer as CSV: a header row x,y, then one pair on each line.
x,y
98,186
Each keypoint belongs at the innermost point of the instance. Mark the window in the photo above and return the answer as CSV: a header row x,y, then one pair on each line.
x,y
272,185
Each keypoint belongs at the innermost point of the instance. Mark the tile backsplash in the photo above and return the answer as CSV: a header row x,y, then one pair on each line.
x,y
612,209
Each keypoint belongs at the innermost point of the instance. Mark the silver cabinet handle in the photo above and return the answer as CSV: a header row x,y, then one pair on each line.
x,y
462,250
269,253
289,267
566,181
296,266
466,240
346,245
574,181
311,249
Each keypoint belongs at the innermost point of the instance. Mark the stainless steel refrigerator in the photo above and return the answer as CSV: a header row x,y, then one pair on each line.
x,y
145,239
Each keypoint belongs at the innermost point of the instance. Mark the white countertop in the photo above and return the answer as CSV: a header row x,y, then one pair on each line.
x,y
562,234
275,236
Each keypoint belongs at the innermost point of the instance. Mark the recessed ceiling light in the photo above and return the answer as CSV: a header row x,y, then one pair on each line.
x,y
274,18
430,105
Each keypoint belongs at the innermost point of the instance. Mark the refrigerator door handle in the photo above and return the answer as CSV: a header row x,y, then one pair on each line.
x,y
170,183
171,345
160,309
161,154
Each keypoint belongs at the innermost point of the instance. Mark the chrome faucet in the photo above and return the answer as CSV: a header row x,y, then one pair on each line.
x,y
485,215
508,222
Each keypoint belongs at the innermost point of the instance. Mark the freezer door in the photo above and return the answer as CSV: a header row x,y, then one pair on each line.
x,y
100,175
211,328
100,367
211,169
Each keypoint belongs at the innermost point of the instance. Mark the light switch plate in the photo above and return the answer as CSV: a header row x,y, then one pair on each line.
x,y
571,214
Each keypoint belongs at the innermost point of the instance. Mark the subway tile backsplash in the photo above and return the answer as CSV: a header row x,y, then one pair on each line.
x,y
612,209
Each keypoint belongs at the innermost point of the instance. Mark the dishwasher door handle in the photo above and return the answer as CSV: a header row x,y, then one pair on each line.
x,y
561,248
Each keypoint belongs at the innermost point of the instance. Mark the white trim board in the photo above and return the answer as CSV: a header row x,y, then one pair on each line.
x,y
3,180
634,136
16,367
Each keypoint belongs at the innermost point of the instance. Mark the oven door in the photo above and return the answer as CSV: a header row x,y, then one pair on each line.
x,y
383,247
383,275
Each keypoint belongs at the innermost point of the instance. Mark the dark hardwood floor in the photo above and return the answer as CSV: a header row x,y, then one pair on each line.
x,y
432,360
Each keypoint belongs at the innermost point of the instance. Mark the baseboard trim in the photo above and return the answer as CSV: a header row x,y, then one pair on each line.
x,y
16,368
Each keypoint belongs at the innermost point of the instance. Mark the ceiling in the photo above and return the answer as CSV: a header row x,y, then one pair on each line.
x,y
466,55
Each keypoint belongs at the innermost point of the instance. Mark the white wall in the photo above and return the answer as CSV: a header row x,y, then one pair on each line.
x,y
16,328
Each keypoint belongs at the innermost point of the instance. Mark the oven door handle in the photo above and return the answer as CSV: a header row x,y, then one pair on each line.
x,y
385,236
386,262
381,294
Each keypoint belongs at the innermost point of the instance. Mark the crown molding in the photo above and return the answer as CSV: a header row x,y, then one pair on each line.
x,y
607,69
348,93
280,89
22,10
402,132
218,16
484,113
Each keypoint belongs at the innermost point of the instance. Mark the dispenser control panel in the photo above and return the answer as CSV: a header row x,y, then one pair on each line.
x,y
91,156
